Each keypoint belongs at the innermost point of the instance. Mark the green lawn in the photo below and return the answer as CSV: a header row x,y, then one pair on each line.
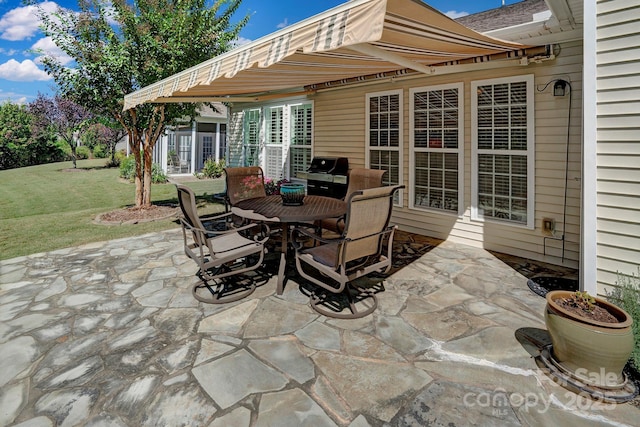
x,y
48,207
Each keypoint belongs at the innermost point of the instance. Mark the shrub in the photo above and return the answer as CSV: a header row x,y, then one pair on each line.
x,y
128,168
82,152
128,171
117,159
212,169
626,295
99,151
157,175
113,163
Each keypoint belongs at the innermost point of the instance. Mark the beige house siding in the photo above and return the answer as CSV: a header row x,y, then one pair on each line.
x,y
340,126
618,139
340,130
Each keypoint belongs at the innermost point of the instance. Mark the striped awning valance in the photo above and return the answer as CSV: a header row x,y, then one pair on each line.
x,y
360,37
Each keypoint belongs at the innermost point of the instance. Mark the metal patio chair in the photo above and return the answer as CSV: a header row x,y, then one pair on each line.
x,y
359,179
245,182
359,251
220,251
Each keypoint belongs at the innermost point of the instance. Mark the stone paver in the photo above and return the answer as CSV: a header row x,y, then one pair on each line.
x,y
109,334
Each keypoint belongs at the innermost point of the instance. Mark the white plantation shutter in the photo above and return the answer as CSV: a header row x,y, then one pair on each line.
x,y
384,132
438,146
503,146
274,159
301,118
251,138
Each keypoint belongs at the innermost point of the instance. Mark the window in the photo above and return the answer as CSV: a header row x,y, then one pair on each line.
x,y
301,119
207,147
251,138
171,143
437,143
278,138
274,142
502,126
384,136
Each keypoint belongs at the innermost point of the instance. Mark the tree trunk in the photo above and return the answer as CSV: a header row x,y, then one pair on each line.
x,y
73,156
151,136
134,144
143,142
148,167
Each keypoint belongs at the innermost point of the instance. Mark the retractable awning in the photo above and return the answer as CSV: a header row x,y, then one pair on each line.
x,y
358,38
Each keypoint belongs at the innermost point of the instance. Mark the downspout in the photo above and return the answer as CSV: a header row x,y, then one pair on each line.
x,y
589,201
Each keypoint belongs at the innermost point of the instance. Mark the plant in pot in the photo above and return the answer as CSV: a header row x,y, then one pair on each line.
x,y
591,338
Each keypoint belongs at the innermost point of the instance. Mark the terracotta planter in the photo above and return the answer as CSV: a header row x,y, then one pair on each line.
x,y
593,352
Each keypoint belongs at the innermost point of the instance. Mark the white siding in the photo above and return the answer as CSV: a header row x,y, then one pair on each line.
x,y
618,139
340,130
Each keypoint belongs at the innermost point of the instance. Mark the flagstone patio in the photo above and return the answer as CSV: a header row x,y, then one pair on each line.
x,y
108,334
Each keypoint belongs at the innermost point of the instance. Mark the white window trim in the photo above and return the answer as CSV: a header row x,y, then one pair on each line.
x,y
530,152
399,149
459,150
286,131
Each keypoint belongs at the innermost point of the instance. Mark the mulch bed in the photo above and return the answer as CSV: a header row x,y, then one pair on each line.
x,y
137,215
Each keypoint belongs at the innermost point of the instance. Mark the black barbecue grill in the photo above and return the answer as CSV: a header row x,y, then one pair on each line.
x,y
327,176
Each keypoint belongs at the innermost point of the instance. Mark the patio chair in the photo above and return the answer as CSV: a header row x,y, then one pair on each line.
x,y
176,164
358,251
359,179
247,182
244,183
220,252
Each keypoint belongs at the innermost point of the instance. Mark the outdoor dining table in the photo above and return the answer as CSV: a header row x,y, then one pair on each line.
x,y
271,209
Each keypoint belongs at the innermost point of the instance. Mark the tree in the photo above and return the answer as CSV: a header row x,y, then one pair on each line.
x,y
14,135
19,146
108,134
60,116
124,45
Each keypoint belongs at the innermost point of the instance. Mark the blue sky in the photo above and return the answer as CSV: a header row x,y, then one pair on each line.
x,y
22,76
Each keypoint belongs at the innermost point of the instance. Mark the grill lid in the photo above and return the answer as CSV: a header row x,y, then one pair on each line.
x,y
329,165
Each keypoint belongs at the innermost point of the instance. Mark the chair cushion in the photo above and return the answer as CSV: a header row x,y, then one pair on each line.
x,y
232,244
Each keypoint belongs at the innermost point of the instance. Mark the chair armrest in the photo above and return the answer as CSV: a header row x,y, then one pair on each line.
x,y
212,217
214,233
302,231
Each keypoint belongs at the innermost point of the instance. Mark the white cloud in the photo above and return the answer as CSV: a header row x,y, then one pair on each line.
x,y
25,71
13,98
455,14
8,52
49,48
22,22
241,42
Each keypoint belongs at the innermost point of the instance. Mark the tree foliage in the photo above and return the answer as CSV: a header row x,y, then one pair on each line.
x,y
105,133
60,116
19,145
124,45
